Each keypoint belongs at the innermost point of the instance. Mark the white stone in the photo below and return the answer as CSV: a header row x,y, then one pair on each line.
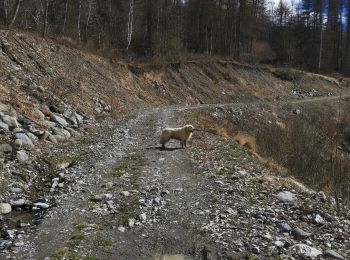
x,y
5,208
286,196
305,250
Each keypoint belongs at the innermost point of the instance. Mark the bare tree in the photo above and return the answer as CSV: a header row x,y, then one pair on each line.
x,y
45,20
65,17
79,16
88,18
130,23
18,4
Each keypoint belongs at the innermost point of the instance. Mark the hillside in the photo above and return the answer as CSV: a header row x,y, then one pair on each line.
x,y
82,176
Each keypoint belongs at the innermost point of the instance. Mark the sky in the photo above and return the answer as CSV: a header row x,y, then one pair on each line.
x,y
286,1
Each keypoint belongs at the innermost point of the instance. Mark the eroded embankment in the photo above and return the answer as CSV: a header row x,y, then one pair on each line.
x,y
308,139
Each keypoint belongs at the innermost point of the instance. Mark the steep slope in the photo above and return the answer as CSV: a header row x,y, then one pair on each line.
x,y
36,71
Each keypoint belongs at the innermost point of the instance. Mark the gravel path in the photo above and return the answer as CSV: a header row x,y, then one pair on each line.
x,y
128,199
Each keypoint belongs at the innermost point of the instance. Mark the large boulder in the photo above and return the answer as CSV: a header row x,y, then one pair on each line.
x,y
39,114
5,208
26,141
32,137
4,126
5,148
70,116
62,132
59,119
49,124
286,196
10,121
22,156
303,250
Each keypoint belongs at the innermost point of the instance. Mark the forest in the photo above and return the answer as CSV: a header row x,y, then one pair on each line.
x,y
307,34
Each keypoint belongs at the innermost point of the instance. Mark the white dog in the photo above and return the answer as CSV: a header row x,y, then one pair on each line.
x,y
183,134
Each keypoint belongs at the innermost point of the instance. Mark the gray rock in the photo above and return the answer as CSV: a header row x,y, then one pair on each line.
x,y
300,234
62,132
39,114
19,203
4,126
5,208
334,255
6,148
156,201
22,156
41,205
143,217
11,233
256,250
164,192
44,135
305,251
79,118
49,124
5,244
131,222
322,196
10,121
58,119
125,193
16,190
2,163
32,137
297,111
121,229
26,142
108,185
102,197
52,139
283,227
70,116
279,243
59,138
73,132
319,220
18,144
286,196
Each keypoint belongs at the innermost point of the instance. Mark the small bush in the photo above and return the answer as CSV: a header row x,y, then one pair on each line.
x,y
288,74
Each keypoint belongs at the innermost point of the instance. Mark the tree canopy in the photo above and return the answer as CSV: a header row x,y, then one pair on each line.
x,y
313,34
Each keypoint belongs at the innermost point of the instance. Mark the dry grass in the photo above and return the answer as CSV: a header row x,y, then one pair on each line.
x,y
304,146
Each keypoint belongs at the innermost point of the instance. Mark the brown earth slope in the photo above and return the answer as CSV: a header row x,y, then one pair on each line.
x,y
36,71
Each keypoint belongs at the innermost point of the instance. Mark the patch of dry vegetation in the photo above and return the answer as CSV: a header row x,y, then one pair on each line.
x,y
308,146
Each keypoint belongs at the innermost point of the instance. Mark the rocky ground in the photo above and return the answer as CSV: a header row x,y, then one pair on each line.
x,y
116,195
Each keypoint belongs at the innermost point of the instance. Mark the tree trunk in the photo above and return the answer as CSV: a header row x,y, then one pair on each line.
x,y
88,19
18,4
6,8
45,22
321,46
78,22
321,35
346,59
130,23
65,18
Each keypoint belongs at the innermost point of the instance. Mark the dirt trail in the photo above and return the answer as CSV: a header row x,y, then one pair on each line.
x,y
316,99
128,199
162,186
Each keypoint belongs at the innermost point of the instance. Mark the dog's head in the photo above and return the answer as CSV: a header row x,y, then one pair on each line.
x,y
189,128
